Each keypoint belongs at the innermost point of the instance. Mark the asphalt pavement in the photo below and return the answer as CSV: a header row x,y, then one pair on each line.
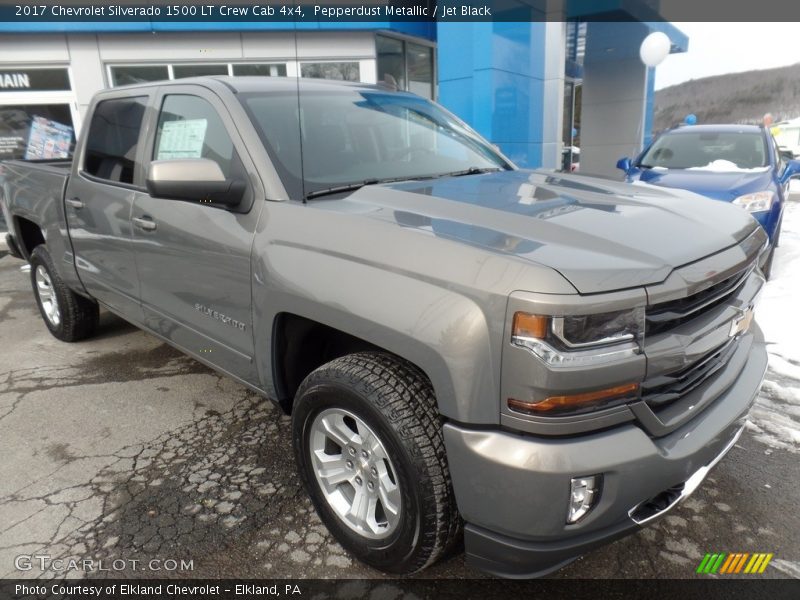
x,y
122,449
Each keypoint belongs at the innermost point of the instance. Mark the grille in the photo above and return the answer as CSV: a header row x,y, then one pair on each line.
x,y
668,315
664,389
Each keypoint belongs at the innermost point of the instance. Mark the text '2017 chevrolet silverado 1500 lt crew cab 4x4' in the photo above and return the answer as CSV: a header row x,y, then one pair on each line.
x,y
538,362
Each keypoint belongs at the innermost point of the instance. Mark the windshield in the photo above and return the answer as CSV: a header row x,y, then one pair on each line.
x,y
351,136
729,150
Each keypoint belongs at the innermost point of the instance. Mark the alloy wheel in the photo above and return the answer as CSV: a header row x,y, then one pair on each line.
x,y
47,296
355,473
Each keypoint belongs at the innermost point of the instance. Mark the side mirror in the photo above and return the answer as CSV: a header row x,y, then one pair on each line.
x,y
194,180
792,170
624,164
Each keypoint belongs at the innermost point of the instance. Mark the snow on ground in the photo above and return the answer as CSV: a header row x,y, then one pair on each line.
x,y
787,567
775,419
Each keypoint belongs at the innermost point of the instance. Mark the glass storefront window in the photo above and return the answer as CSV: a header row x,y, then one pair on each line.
x,y
570,133
36,131
575,50
138,74
342,71
267,70
420,70
405,65
128,74
391,62
182,71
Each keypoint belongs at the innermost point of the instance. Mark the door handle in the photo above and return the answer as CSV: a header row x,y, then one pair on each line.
x,y
146,224
76,203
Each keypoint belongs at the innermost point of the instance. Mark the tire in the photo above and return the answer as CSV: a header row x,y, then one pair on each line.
x,y
767,269
378,397
777,242
68,316
776,239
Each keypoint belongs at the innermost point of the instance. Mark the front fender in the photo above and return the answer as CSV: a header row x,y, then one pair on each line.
x,y
444,333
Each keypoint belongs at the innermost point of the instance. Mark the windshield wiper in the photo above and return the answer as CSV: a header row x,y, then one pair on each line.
x,y
337,189
471,171
351,187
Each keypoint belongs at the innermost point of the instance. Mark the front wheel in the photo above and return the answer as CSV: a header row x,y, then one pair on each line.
x,y
369,448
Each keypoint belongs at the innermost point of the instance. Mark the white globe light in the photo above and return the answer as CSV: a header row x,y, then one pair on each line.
x,y
655,48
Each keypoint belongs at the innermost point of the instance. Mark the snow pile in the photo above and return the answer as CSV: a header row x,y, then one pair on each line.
x,y
775,419
776,311
725,166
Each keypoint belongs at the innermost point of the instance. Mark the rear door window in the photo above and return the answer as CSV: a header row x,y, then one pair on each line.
x,y
113,139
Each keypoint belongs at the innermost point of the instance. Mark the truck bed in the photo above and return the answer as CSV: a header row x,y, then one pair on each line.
x,y
34,191
56,165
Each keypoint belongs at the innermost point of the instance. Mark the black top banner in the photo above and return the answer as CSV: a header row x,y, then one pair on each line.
x,y
338,11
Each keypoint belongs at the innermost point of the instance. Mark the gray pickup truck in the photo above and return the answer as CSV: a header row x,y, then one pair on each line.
x,y
533,362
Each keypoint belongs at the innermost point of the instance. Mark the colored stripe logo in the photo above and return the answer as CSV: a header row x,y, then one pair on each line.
x,y
734,563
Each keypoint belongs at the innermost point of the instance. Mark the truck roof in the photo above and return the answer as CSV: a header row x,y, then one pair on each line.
x,y
260,84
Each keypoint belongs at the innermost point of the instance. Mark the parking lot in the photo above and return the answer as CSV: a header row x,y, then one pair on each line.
x,y
122,448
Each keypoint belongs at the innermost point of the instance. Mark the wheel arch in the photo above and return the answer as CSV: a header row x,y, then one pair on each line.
x,y
301,343
30,235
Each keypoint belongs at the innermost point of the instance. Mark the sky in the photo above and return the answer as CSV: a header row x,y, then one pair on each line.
x,y
717,48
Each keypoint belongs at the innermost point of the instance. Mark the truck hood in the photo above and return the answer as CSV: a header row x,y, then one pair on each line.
x,y
599,234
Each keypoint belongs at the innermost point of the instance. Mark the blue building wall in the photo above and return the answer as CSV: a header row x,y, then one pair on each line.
x,y
492,76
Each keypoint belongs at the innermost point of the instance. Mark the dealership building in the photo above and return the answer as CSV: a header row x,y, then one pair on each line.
x,y
532,88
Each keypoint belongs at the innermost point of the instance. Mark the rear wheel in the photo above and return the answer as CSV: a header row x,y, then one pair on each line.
x,y
369,448
68,316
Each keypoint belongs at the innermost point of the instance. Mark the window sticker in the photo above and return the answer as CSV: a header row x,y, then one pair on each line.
x,y
182,139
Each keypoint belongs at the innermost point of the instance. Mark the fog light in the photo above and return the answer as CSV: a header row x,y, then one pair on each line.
x,y
584,491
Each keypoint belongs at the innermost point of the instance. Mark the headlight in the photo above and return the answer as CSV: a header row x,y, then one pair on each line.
x,y
580,340
756,202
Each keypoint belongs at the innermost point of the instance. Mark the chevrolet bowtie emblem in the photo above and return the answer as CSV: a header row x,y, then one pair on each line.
x,y
741,323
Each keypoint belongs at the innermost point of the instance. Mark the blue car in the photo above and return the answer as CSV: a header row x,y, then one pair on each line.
x,y
740,164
